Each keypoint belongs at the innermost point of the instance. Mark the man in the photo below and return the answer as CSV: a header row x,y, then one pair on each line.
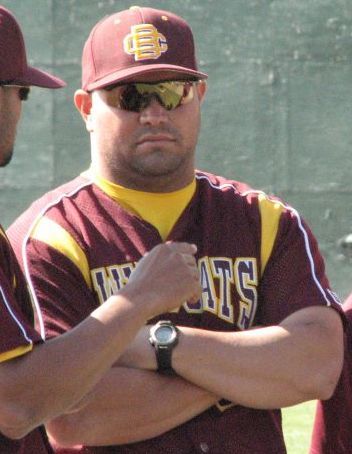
x,y
39,381
200,380
15,78
333,419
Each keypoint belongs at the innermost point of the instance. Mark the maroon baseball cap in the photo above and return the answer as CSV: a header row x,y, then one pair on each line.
x,y
14,68
135,42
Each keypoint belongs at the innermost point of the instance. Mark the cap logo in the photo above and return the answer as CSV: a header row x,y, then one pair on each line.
x,y
145,42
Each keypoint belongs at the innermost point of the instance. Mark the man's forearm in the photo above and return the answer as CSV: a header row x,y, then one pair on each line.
x,y
73,363
84,354
268,367
130,405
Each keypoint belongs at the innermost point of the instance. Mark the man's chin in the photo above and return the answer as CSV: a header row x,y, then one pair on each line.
x,y
157,171
158,164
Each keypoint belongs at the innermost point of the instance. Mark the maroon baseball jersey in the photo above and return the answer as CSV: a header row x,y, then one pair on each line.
x,y
332,430
17,336
258,263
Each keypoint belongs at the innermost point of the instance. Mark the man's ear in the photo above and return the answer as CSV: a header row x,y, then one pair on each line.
x,y
202,89
83,103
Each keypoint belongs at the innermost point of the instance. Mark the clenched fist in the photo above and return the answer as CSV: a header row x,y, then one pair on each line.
x,y
166,277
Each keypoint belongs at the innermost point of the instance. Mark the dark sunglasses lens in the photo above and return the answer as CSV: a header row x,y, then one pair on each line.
x,y
131,99
169,94
24,93
136,97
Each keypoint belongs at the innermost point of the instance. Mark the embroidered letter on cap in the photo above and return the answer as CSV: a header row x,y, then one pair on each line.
x,y
145,42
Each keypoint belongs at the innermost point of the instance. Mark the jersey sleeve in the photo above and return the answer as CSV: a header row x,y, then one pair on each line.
x,y
294,277
17,334
59,288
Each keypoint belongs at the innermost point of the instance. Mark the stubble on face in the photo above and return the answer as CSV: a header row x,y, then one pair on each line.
x,y
5,158
7,140
157,157
131,151
150,165
10,110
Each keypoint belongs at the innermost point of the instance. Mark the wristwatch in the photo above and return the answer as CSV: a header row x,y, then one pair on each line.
x,y
164,338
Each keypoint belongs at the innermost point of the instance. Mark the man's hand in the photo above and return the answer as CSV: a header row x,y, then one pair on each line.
x,y
165,278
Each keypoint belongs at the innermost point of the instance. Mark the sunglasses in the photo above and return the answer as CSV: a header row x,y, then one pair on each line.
x,y
23,92
135,97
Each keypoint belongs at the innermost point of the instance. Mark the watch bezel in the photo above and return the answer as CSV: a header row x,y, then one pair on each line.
x,y
171,336
162,325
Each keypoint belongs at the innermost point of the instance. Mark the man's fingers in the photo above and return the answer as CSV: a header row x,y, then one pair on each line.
x,y
182,248
169,272
186,251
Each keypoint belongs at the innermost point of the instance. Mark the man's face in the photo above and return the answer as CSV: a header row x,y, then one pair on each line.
x,y
10,112
151,150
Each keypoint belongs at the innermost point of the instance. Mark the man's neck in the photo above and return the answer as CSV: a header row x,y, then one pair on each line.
x,y
156,184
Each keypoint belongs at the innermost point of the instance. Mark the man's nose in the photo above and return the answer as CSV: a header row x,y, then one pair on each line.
x,y
154,113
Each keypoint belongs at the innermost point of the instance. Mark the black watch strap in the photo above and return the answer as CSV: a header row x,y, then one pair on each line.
x,y
163,347
163,357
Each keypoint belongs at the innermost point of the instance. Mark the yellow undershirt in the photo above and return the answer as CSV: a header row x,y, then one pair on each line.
x,y
161,210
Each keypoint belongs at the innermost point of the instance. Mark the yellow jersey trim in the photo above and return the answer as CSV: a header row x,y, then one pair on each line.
x,y
3,234
270,213
19,351
52,234
162,210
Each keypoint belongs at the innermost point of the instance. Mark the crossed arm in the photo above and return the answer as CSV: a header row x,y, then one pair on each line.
x,y
298,360
130,405
58,374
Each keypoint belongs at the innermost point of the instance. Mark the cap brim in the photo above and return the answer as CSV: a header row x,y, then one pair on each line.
x,y
128,74
38,78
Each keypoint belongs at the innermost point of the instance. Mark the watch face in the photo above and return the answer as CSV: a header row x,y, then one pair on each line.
x,y
165,334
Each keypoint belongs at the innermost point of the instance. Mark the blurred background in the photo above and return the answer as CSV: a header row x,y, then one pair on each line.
x,y
278,113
